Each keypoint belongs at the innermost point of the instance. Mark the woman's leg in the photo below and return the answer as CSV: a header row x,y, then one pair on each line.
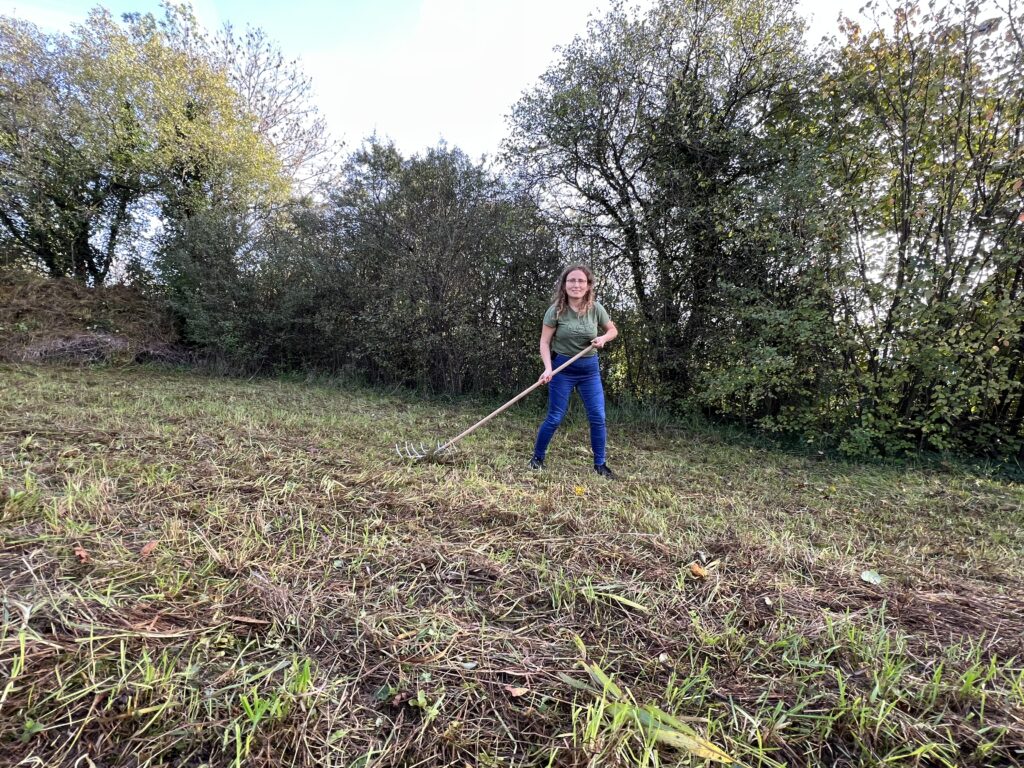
x,y
559,391
592,392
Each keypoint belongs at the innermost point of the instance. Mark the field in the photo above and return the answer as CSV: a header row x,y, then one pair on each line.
x,y
203,571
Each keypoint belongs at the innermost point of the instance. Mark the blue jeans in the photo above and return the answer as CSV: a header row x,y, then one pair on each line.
x,y
584,375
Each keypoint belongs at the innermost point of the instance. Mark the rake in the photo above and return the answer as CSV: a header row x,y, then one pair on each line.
x,y
441,450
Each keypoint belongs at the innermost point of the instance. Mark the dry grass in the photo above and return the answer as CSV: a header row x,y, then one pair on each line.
x,y
63,321
212,572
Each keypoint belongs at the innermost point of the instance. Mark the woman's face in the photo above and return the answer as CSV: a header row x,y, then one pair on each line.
x,y
576,284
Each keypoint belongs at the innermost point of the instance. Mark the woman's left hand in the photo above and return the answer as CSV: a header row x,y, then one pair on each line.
x,y
600,341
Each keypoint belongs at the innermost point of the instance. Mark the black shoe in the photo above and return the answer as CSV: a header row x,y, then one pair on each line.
x,y
536,463
604,471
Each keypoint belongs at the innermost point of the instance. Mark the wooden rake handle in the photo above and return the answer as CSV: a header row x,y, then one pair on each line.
x,y
514,400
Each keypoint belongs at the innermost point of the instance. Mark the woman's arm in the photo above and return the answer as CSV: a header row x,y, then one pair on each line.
x,y
546,334
610,333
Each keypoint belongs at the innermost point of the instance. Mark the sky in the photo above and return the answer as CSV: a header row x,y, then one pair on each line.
x,y
414,71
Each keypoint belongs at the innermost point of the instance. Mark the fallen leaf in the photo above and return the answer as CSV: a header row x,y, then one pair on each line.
x,y
147,550
579,490
81,554
669,730
698,570
871,577
515,692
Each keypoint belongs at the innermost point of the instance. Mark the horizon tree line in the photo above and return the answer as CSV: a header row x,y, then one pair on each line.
x,y
823,243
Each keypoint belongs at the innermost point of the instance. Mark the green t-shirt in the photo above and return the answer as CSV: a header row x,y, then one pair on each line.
x,y
573,331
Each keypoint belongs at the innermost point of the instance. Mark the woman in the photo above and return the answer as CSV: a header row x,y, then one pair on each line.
x,y
571,324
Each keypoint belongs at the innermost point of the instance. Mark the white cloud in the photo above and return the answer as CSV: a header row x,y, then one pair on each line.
x,y
455,74
48,17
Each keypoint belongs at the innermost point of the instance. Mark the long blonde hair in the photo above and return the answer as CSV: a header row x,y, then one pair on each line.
x,y
561,299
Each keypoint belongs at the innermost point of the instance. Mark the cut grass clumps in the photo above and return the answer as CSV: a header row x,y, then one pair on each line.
x,y
45,320
199,571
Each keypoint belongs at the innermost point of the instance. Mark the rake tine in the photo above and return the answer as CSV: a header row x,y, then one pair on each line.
x,y
421,452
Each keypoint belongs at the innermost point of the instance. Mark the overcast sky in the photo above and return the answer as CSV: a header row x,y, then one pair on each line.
x,y
416,71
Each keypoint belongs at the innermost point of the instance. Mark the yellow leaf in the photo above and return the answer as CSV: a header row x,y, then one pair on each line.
x,y
671,731
692,744
698,570
662,726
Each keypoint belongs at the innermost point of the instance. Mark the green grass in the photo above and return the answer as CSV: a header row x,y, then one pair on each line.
x,y
201,571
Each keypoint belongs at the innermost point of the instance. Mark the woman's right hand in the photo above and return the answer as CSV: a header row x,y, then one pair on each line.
x,y
546,376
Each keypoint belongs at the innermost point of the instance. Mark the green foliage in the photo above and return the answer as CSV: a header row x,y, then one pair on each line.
x,y
454,269
206,286
103,128
677,138
926,158
776,370
825,247
428,271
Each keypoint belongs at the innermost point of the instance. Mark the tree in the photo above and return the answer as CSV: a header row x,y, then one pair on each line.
x,y
672,139
102,129
453,269
52,193
927,160
427,271
280,96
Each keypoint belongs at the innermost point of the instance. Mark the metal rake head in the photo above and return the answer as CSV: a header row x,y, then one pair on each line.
x,y
423,452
